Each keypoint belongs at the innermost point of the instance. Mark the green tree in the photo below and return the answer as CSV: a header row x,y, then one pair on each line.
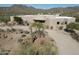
x,y
18,20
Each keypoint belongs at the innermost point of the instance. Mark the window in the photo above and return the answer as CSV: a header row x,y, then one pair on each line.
x,y
58,23
41,21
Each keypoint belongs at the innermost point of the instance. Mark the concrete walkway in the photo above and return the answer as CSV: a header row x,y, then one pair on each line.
x,y
66,45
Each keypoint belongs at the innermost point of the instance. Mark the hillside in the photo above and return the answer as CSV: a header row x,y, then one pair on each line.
x,y
23,9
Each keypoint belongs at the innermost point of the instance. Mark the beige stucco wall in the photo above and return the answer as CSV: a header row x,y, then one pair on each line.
x,y
50,20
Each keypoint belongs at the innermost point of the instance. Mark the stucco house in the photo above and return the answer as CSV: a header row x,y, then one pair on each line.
x,y
52,21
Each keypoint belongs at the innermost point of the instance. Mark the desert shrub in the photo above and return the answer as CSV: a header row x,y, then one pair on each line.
x,y
47,27
61,27
21,31
51,27
1,30
4,19
11,38
9,30
39,33
77,18
73,26
42,46
75,36
20,40
23,35
4,52
26,32
71,29
13,29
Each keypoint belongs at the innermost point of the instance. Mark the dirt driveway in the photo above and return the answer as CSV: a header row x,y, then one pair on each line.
x,y
66,45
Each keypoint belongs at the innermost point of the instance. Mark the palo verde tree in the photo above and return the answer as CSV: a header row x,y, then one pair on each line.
x,y
39,29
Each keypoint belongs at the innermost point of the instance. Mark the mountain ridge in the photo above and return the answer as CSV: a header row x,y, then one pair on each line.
x,y
23,9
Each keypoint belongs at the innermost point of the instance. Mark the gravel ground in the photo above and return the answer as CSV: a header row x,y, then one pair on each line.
x,y
66,45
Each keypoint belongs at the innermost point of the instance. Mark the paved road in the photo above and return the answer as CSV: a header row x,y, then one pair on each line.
x,y
66,45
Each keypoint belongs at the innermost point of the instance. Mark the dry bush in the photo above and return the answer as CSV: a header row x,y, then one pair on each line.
x,y
41,46
45,46
4,51
23,35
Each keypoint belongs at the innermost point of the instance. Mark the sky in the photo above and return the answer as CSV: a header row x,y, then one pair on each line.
x,y
44,6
